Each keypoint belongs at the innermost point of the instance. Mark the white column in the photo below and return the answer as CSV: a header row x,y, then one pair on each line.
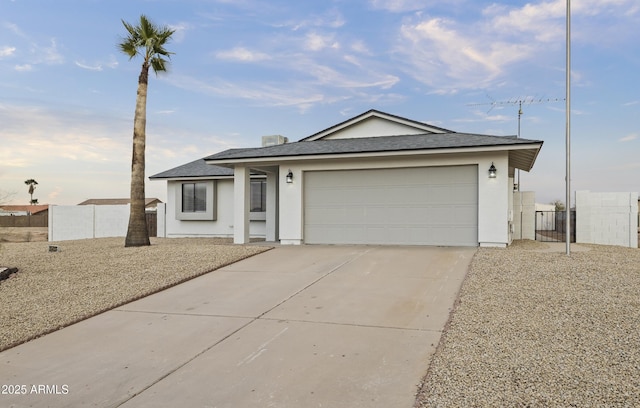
x,y
272,206
241,205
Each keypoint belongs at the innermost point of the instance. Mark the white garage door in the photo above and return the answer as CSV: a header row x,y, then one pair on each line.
x,y
413,206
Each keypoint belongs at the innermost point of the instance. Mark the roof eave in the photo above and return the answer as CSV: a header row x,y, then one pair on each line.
x,y
376,154
171,178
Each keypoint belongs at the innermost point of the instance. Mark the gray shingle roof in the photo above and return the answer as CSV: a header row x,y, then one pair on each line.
x,y
196,168
372,144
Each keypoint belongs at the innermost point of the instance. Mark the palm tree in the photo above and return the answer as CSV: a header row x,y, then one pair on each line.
x,y
147,40
32,187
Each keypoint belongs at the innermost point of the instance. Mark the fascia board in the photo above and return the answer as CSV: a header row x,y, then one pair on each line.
x,y
399,153
187,178
253,176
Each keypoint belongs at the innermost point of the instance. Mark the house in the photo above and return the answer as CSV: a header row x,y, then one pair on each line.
x,y
376,178
24,209
24,215
149,203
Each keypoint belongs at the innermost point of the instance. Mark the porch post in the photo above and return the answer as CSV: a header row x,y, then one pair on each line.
x,y
272,207
241,205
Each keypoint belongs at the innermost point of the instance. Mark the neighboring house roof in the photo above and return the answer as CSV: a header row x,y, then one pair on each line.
x,y
523,152
33,209
196,168
118,201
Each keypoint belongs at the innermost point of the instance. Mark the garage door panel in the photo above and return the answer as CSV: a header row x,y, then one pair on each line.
x,y
424,206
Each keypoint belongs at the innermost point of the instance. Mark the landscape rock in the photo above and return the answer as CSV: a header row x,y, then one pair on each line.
x,y
6,272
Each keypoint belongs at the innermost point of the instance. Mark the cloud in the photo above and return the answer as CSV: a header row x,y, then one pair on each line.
x,y
360,47
302,78
441,52
98,66
14,29
328,76
38,53
89,67
112,63
7,51
180,31
398,6
165,112
47,136
540,21
317,42
628,138
49,55
242,54
53,195
24,68
332,19
452,55
261,93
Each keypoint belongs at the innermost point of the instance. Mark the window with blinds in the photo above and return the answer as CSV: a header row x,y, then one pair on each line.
x,y
194,197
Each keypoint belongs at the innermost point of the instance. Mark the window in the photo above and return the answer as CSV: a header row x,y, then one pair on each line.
x,y
194,197
195,200
258,196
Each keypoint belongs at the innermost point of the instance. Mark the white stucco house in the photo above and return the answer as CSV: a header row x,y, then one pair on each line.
x,y
376,178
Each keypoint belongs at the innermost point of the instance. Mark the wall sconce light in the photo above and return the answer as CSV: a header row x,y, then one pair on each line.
x,y
290,177
492,171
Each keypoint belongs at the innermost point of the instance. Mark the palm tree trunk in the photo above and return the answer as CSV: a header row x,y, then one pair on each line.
x,y
137,233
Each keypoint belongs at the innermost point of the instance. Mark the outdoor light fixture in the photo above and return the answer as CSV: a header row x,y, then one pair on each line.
x,y
289,177
492,171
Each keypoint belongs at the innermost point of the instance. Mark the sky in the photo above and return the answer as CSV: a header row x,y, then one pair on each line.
x,y
243,69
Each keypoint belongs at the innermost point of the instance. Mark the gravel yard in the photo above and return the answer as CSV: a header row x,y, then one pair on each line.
x,y
539,329
54,289
530,328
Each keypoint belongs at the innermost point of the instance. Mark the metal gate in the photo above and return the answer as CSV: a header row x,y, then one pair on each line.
x,y
551,226
152,223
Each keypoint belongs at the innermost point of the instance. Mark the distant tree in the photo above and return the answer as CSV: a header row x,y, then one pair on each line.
x,y
148,41
32,187
559,205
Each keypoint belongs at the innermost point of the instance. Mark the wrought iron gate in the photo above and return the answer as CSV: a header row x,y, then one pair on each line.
x,y
551,226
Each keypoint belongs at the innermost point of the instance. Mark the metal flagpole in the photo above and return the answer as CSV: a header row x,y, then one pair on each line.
x,y
568,131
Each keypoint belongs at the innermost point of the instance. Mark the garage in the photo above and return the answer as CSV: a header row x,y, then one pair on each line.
x,y
401,206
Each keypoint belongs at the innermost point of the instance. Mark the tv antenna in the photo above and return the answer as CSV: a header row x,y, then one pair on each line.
x,y
516,101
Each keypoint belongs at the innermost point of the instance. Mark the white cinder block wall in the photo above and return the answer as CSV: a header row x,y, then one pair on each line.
x,y
67,222
607,218
524,215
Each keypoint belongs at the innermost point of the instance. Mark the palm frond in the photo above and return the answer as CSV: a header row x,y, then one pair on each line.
x,y
148,39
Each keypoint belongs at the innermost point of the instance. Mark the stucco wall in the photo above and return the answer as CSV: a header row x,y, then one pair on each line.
x,y
493,194
607,218
376,127
221,227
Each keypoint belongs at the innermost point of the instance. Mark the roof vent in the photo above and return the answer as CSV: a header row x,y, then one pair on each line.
x,y
273,140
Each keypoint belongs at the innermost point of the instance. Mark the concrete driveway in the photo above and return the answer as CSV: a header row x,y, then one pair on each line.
x,y
303,326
